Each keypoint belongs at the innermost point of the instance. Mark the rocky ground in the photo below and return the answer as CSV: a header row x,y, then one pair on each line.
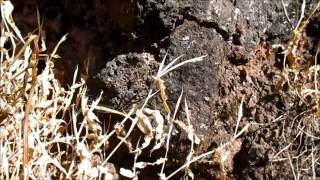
x,y
119,45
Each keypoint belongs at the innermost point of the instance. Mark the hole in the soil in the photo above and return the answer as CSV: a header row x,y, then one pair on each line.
x,y
238,60
236,39
241,158
313,28
280,104
129,85
213,145
279,57
243,75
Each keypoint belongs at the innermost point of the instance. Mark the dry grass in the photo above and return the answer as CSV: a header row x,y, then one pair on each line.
x,y
301,133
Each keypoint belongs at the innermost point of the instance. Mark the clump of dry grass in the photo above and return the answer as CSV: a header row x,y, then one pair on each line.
x,y
47,131
301,74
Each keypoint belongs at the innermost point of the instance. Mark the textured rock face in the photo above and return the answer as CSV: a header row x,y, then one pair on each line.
x,y
236,36
129,77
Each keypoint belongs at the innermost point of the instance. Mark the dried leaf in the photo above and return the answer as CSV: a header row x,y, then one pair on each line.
x,y
127,173
6,10
190,130
92,121
144,125
142,165
160,137
84,167
190,173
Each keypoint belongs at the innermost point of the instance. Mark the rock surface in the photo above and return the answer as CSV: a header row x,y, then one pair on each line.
x,y
129,77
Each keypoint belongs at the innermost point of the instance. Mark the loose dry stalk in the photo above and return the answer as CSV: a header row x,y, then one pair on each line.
x,y
29,106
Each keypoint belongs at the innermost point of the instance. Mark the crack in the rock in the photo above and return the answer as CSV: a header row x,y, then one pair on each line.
x,y
202,23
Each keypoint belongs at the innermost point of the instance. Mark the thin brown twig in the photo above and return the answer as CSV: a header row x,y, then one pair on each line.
x,y
29,108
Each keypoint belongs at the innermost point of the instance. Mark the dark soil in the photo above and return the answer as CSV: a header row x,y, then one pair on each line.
x,y
118,45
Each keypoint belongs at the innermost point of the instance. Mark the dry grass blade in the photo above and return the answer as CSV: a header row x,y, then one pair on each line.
x,y
286,13
172,67
316,81
170,129
54,53
240,113
28,109
192,137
